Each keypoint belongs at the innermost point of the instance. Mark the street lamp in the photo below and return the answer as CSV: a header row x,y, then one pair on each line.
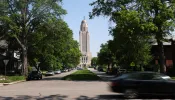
x,y
5,62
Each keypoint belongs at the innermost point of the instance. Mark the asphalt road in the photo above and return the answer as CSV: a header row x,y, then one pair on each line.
x,y
52,88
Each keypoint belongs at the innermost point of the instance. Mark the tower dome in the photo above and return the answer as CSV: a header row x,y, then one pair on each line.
x,y
84,25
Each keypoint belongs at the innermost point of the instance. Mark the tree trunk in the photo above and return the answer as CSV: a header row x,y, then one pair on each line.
x,y
24,58
161,57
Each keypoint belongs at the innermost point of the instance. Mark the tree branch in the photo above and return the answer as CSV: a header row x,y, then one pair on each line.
x,y
20,43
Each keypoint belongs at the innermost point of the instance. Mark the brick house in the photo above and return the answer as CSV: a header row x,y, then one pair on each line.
x,y
169,51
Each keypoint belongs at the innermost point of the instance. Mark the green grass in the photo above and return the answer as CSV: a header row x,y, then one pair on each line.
x,y
81,75
173,78
43,72
12,79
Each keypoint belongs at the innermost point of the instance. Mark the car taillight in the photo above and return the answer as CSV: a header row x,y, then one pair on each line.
x,y
114,84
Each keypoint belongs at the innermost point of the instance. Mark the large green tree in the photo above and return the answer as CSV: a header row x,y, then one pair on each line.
x,y
157,13
130,44
106,56
53,46
94,61
21,18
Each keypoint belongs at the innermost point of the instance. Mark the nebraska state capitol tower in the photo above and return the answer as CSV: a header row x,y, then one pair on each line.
x,y
85,60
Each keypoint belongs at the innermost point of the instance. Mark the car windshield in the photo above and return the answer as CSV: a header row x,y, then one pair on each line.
x,y
50,71
34,72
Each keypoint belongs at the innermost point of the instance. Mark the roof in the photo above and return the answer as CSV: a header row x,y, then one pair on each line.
x,y
154,42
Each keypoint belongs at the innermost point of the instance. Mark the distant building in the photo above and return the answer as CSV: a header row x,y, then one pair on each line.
x,y
84,38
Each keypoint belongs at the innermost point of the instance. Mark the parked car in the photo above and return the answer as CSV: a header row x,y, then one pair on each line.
x,y
57,72
49,73
79,68
100,69
134,84
34,75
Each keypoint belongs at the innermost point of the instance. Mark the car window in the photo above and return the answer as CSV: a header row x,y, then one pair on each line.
x,y
161,77
122,76
141,76
134,76
146,76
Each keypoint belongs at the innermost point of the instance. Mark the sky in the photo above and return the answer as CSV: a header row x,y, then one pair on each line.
x,y
98,27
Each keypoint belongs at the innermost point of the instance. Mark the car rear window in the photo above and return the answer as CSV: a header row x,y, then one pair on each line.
x,y
122,76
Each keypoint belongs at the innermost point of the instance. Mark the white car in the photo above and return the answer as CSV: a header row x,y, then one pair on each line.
x,y
49,73
57,72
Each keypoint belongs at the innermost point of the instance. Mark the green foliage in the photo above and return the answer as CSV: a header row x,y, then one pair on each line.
x,y
105,56
29,69
54,46
82,75
12,79
94,61
21,19
37,26
137,20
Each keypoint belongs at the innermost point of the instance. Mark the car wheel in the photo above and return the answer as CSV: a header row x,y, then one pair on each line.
x,y
130,94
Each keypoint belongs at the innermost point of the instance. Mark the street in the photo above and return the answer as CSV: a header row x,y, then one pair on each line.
x,y
52,88
56,89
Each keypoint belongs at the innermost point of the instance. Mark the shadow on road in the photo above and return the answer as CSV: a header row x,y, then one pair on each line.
x,y
64,97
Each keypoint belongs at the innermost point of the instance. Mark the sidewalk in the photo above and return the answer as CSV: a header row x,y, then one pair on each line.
x,y
4,84
102,75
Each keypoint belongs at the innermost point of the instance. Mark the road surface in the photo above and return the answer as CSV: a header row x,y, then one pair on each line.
x,y
52,88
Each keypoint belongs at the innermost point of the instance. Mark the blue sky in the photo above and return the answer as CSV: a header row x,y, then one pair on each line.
x,y
98,27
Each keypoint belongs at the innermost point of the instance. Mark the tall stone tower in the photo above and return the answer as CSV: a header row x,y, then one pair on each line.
x,y
85,60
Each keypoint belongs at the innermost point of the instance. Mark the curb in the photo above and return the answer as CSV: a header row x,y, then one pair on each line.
x,y
4,84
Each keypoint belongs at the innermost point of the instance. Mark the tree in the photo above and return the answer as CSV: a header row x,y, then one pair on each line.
x,y
130,44
23,17
53,46
105,56
94,61
157,13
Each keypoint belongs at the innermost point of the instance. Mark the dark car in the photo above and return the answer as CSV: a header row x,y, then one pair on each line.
x,y
34,75
100,69
134,84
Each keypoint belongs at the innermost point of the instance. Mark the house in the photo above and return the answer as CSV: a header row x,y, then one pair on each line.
x,y
13,56
169,51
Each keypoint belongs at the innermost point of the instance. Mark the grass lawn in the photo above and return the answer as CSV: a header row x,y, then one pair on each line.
x,y
12,79
173,78
81,75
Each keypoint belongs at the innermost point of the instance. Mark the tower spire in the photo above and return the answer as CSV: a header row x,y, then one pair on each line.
x,y
84,17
